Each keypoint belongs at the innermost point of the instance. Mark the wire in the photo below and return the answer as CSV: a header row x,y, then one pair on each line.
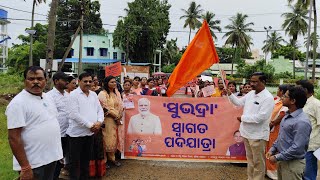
x,y
22,10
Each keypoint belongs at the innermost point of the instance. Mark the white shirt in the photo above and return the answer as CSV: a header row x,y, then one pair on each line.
x,y
61,102
37,116
312,109
84,111
149,124
256,114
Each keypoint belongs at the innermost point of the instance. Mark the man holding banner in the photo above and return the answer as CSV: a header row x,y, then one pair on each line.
x,y
254,127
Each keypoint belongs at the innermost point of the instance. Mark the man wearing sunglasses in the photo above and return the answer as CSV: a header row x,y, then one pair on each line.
x,y
85,119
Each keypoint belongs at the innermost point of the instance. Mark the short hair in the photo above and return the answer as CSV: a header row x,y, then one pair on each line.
x,y
237,131
299,94
70,78
261,75
150,79
33,69
143,100
283,88
60,75
137,77
83,75
307,85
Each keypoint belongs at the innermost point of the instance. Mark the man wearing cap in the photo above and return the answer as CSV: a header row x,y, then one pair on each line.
x,y
60,98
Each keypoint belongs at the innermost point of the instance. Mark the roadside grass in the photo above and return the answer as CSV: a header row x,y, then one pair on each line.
x,y
6,172
10,84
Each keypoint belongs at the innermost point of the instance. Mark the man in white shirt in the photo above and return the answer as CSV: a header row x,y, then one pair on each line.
x,y
33,129
60,98
145,122
312,109
85,119
254,123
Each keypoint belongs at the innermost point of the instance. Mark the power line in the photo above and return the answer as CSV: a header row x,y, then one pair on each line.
x,y
22,10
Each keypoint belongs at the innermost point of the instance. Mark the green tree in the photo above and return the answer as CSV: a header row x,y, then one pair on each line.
x,y
287,52
246,70
295,24
19,53
68,20
272,43
213,24
143,30
237,35
192,16
314,40
170,51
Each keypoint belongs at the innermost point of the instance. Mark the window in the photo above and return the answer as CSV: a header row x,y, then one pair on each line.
x,y
115,55
123,57
103,42
103,51
71,53
90,51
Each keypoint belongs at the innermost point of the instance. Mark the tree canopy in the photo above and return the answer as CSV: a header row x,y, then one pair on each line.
x,y
143,30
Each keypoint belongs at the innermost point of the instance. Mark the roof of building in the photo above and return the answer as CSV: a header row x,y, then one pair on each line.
x,y
88,60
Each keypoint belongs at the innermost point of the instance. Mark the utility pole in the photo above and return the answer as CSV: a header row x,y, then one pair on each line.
x,y
81,36
31,35
68,49
267,29
308,44
127,53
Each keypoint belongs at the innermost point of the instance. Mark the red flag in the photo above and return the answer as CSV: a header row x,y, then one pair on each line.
x,y
199,56
113,69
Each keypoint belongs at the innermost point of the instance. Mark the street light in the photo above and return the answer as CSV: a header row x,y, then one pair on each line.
x,y
31,32
267,29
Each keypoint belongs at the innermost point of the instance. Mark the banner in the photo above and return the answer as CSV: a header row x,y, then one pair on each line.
x,y
113,69
190,129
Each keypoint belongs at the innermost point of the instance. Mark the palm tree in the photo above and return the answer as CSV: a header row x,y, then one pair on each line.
x,y
192,16
213,24
170,51
295,24
314,40
236,36
272,43
35,2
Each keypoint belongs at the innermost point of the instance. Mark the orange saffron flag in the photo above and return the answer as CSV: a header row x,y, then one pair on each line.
x,y
199,56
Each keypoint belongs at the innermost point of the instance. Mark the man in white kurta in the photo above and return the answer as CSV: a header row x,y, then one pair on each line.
x,y
144,123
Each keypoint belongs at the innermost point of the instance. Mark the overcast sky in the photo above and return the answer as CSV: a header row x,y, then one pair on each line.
x,y
261,13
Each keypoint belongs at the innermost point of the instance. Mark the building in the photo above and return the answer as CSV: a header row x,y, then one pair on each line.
x,y
97,51
3,39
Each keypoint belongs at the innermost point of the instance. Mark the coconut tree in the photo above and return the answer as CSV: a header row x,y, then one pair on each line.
x,y
237,35
272,43
192,16
295,24
34,3
213,24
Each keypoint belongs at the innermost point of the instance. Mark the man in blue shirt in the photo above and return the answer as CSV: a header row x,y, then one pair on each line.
x,y
292,143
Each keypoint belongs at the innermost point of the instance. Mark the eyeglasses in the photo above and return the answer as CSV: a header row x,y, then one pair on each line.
x,y
86,81
285,96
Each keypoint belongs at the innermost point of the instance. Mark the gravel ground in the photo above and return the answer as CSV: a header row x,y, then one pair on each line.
x,y
169,170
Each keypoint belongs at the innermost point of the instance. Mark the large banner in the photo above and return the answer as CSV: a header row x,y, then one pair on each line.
x,y
192,129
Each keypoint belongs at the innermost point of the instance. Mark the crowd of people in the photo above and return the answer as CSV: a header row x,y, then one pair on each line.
x,y
76,126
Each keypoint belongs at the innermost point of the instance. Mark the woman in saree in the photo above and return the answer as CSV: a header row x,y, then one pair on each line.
x,y
110,99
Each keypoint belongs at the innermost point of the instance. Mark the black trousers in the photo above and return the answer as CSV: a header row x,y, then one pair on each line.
x,y
44,172
65,148
79,152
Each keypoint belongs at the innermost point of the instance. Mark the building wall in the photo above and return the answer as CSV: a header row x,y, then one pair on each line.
x,y
96,42
3,34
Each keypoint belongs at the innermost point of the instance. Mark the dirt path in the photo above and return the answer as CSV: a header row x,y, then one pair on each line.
x,y
163,170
